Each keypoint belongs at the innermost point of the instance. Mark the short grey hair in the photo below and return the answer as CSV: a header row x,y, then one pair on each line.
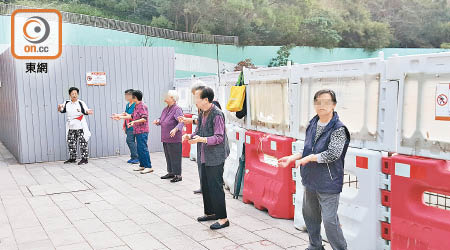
x,y
197,85
174,94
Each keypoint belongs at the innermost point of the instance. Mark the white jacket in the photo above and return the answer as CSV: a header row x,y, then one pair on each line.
x,y
86,132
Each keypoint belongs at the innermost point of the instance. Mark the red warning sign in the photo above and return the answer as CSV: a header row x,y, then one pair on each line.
x,y
96,78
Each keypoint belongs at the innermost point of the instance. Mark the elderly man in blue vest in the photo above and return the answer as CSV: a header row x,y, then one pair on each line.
x,y
322,171
212,150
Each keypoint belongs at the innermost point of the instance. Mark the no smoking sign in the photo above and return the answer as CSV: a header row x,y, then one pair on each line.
x,y
442,105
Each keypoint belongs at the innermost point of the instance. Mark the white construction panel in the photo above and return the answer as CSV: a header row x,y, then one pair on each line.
x,y
419,77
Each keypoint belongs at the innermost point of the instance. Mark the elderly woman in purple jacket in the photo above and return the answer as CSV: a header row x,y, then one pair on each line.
x,y
171,132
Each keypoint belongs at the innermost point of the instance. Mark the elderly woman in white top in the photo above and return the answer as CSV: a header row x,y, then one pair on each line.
x,y
76,127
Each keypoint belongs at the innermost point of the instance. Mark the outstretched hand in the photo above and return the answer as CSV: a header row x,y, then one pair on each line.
x,y
185,120
156,122
285,161
304,161
186,137
196,139
115,117
173,132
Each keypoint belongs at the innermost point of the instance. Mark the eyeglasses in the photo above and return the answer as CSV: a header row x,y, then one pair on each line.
x,y
323,102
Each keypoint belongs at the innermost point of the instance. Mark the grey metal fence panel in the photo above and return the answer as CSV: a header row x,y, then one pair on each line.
x,y
7,9
33,98
9,125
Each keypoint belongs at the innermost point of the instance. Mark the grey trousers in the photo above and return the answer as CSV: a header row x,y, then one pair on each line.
x,y
173,153
318,207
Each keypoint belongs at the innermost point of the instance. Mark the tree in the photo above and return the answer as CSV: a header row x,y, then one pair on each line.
x,y
355,27
414,23
319,31
283,56
445,45
161,22
369,24
247,63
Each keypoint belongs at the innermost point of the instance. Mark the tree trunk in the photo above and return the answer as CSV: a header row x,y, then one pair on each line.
x,y
196,22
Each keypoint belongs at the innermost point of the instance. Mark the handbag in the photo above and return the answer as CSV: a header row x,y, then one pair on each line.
x,y
237,95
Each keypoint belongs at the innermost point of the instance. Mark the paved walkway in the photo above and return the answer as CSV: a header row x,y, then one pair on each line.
x,y
105,205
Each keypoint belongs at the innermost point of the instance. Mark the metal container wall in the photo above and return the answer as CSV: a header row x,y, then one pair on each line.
x,y
42,128
9,119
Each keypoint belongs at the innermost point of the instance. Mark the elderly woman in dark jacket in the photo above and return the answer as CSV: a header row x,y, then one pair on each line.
x,y
212,151
322,171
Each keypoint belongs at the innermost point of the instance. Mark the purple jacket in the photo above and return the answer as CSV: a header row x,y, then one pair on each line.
x,y
169,121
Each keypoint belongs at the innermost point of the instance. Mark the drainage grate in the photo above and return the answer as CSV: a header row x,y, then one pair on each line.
x,y
59,188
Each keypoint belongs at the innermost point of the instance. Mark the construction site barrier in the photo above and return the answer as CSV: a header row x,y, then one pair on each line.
x,y
268,186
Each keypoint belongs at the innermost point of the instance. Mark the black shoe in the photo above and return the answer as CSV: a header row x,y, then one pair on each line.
x,y
217,225
198,191
177,178
323,248
83,161
70,161
167,176
207,218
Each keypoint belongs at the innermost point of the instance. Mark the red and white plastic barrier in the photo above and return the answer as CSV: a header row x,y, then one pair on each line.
x,y
359,202
236,139
187,129
193,153
419,201
268,186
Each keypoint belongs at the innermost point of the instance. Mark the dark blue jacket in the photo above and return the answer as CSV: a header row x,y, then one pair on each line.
x,y
316,176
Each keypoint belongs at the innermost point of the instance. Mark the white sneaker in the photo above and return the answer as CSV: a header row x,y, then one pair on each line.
x,y
147,170
138,168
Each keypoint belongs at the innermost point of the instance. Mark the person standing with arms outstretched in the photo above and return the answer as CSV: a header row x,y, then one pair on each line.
x,y
131,138
322,171
212,151
139,123
77,130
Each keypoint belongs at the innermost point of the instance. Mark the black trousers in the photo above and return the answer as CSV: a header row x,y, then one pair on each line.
x,y
173,153
75,136
212,190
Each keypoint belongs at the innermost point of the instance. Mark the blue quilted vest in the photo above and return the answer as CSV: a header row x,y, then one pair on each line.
x,y
323,177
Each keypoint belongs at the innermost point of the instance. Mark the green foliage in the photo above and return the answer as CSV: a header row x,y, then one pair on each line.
x,y
320,30
414,23
161,22
368,24
283,56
